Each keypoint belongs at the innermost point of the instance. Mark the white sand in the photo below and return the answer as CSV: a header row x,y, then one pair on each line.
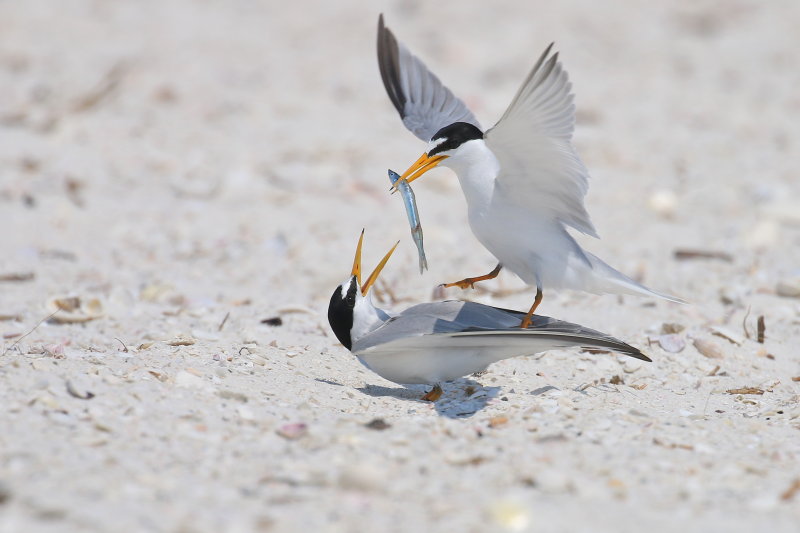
x,y
185,161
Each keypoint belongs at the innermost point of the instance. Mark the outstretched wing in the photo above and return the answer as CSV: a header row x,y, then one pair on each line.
x,y
424,104
539,167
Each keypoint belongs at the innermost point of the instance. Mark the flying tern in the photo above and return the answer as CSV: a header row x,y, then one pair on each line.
x,y
522,179
441,341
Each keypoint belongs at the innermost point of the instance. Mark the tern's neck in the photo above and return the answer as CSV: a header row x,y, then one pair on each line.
x,y
366,317
476,167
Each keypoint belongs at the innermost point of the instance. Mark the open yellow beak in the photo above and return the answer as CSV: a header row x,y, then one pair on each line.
x,y
357,261
420,167
375,273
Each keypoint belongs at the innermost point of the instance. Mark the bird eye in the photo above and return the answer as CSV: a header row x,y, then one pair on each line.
x,y
350,297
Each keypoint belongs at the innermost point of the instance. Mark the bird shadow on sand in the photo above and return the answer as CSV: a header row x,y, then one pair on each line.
x,y
462,398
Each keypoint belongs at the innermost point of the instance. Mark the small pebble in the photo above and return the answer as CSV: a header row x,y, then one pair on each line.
x,y
497,421
55,350
378,424
708,349
668,328
510,515
788,288
663,203
672,343
232,395
79,392
181,340
293,431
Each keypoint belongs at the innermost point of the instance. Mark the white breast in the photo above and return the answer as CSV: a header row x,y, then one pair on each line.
x,y
517,236
476,168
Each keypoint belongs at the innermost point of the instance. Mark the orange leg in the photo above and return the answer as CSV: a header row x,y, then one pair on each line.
x,y
470,282
434,394
527,320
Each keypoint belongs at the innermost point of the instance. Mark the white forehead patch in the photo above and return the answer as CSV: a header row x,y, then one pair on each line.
x,y
433,144
344,288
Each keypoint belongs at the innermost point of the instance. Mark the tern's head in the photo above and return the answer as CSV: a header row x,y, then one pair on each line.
x,y
449,142
350,310
449,139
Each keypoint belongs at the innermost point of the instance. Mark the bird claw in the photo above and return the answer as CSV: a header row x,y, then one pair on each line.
x,y
466,283
434,394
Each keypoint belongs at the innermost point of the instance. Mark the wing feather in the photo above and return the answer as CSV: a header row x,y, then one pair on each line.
x,y
583,337
423,102
539,167
472,325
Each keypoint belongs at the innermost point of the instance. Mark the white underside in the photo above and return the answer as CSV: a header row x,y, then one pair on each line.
x,y
428,360
435,358
531,243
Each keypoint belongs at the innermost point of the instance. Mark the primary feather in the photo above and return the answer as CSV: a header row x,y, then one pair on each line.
x,y
423,102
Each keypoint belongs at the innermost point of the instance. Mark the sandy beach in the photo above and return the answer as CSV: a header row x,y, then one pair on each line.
x,y
182,186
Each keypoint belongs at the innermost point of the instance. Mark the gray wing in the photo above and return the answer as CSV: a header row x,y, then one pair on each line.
x,y
424,103
483,324
533,143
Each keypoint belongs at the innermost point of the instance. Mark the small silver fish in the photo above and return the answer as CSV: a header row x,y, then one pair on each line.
x,y
413,216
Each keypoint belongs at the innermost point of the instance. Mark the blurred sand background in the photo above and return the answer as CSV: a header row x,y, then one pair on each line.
x,y
181,171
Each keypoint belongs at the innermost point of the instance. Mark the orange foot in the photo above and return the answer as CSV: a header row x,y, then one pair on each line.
x,y
527,320
466,283
434,394
469,283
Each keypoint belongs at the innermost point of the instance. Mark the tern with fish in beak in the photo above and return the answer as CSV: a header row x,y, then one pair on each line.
x,y
523,180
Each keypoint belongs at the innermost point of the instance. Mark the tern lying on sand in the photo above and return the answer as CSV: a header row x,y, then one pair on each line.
x,y
434,342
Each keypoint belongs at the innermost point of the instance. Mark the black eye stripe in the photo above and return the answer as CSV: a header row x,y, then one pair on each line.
x,y
454,136
351,295
340,312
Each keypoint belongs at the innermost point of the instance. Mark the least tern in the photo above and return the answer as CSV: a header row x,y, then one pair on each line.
x,y
441,341
522,179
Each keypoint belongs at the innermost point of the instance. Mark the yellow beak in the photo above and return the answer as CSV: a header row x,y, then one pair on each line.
x,y
375,273
357,261
420,167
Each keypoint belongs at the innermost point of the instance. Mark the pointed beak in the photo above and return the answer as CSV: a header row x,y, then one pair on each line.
x,y
420,167
357,261
375,273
